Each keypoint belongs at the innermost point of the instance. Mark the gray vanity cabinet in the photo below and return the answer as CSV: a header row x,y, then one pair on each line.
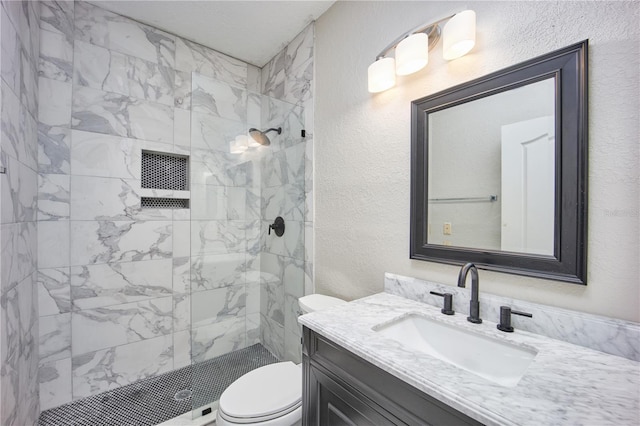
x,y
340,388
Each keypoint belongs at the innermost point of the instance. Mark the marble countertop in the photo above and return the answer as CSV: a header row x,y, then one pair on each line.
x,y
565,383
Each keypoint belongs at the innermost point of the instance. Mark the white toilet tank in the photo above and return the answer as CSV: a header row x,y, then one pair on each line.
x,y
318,302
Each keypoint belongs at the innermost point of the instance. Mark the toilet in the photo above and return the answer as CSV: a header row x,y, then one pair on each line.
x,y
270,395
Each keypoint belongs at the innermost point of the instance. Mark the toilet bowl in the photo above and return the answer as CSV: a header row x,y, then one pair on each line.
x,y
270,395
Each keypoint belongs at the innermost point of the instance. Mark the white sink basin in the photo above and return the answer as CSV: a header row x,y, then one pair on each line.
x,y
495,360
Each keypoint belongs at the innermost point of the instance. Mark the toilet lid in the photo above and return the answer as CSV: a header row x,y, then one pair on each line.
x,y
318,302
263,393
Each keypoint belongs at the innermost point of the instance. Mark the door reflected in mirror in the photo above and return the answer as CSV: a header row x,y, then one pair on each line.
x,y
491,171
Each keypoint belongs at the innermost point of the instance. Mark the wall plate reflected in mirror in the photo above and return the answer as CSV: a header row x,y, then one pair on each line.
x,y
499,170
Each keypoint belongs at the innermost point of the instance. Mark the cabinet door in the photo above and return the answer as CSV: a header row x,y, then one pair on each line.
x,y
337,406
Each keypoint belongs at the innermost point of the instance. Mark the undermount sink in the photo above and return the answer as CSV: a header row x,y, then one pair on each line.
x,y
495,360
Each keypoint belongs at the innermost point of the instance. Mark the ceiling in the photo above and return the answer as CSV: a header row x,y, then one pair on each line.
x,y
252,31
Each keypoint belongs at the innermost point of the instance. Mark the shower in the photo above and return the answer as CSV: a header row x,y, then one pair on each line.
x,y
261,136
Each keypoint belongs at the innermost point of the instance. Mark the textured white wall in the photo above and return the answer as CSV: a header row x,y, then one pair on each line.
x,y
362,149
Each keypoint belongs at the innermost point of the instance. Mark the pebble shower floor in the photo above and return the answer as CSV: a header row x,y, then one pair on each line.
x,y
151,401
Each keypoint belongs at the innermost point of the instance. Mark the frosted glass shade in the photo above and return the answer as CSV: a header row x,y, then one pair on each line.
x,y
459,35
382,75
238,145
412,54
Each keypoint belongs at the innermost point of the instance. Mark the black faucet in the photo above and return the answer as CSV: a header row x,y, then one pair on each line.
x,y
474,304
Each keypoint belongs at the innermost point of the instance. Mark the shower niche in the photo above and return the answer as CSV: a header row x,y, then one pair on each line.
x,y
165,180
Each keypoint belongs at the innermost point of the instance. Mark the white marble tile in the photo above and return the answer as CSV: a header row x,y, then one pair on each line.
x,y
214,133
272,301
97,198
253,328
115,325
236,203
53,244
181,238
57,16
273,76
29,82
182,127
219,168
111,368
55,102
150,81
286,201
95,286
96,154
56,57
309,286
181,349
19,191
181,312
298,83
54,291
115,32
271,268
19,249
18,129
291,244
53,197
217,305
54,149
108,241
208,202
115,114
182,90
218,98
293,277
217,270
100,68
55,337
286,166
253,78
218,339
9,354
272,336
54,378
181,275
11,54
253,297
217,237
300,50
192,57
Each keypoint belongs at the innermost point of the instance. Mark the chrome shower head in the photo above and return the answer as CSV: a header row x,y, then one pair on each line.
x,y
261,136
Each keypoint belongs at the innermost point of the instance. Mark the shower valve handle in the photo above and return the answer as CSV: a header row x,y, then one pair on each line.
x,y
277,226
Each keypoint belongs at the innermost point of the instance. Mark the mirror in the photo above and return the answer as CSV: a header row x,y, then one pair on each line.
x,y
499,170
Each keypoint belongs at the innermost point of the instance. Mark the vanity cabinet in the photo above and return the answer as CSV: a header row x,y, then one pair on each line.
x,y
340,388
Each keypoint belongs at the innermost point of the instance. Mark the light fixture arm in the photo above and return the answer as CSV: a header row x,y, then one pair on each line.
x,y
432,30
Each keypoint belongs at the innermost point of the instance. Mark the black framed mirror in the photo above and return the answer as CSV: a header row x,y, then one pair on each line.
x,y
499,170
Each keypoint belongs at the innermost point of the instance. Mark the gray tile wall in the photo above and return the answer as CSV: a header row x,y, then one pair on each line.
x,y
287,191
19,403
128,293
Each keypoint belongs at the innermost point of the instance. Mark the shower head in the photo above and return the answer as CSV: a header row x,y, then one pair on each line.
x,y
261,136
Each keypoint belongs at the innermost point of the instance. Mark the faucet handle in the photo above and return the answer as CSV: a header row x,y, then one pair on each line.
x,y
448,302
505,318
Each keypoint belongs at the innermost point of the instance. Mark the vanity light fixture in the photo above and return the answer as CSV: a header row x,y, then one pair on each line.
x,y
411,50
239,144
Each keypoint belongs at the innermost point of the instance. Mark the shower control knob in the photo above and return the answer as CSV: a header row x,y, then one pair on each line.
x,y
277,226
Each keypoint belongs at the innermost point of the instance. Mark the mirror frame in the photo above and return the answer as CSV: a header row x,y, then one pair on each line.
x,y
569,262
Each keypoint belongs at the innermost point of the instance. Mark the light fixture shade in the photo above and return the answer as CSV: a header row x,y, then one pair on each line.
x,y
382,75
238,145
412,54
459,35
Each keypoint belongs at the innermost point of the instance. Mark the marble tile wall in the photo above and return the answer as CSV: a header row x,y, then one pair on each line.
x,y
287,191
115,280
20,45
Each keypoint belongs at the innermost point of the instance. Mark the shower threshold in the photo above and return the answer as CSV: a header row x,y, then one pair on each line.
x,y
161,398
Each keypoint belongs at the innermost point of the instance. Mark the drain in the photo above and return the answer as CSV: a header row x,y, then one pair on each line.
x,y
182,395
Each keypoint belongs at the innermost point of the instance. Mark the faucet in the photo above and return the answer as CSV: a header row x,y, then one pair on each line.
x,y
474,304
